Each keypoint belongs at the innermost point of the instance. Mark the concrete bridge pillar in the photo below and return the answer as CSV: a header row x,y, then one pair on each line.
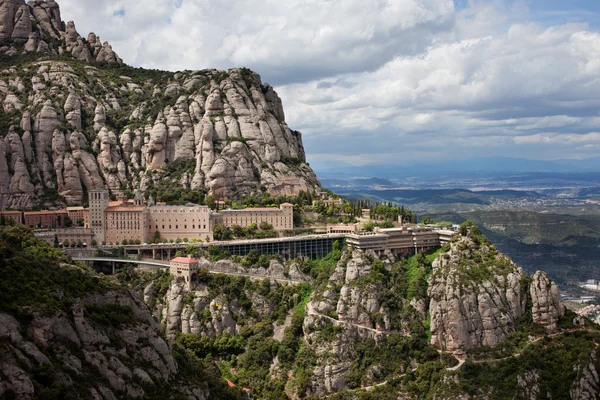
x,y
154,254
168,254
114,268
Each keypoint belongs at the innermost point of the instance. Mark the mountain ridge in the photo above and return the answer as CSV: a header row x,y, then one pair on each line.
x,y
72,123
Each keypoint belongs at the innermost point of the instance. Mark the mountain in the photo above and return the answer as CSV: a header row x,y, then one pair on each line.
x,y
75,118
67,333
461,322
482,167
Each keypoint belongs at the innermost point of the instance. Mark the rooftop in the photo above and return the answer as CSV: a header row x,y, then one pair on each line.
x,y
123,208
184,260
45,212
263,209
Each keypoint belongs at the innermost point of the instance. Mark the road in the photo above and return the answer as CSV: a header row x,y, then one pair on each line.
x,y
163,264
311,311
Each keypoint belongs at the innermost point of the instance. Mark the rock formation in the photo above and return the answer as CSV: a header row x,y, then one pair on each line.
x,y
83,127
547,307
477,295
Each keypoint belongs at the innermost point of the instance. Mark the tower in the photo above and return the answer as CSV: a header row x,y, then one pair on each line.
x,y
98,203
139,198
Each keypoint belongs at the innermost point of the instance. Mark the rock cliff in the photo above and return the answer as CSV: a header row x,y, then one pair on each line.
x,y
69,333
478,295
74,118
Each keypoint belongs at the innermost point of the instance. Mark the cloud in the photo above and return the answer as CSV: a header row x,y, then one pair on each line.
x,y
286,40
385,81
494,92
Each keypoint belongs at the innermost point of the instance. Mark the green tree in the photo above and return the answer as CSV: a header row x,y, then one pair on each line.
x,y
222,233
265,226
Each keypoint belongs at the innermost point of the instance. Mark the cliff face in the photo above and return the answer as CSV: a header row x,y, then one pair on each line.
x,y
74,119
66,332
477,295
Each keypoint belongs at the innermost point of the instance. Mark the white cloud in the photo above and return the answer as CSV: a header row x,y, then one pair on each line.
x,y
286,40
375,81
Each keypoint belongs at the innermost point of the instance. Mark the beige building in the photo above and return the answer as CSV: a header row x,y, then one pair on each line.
x,y
77,215
131,220
64,235
343,228
126,221
400,241
98,200
15,216
185,268
179,222
281,218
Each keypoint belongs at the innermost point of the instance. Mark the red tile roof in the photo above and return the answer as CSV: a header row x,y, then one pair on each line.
x,y
184,260
46,212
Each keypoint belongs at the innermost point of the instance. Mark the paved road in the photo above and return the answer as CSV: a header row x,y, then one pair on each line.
x,y
163,264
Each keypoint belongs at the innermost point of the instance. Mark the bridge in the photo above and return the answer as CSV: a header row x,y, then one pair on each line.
x,y
313,246
165,265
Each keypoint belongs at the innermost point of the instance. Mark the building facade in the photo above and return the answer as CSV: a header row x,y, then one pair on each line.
x,y
76,215
281,218
46,218
400,241
125,221
14,216
180,222
65,235
185,268
112,222
98,200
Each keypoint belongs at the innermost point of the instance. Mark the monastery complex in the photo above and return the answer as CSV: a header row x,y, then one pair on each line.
x,y
113,222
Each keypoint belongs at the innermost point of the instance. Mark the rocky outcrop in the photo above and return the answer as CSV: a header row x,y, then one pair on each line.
x,y
587,384
38,24
547,307
134,130
75,344
476,296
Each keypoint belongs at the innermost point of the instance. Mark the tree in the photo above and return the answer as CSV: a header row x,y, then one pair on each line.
x,y
79,243
210,201
265,226
178,240
124,242
191,250
66,243
238,231
368,226
222,233
94,243
68,222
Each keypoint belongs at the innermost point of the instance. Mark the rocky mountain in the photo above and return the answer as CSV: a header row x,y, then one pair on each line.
x,y
75,118
66,333
462,322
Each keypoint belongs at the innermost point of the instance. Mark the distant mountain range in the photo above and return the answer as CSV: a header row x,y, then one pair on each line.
x,y
475,166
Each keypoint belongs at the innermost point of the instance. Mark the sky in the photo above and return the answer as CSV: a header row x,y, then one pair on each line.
x,y
388,81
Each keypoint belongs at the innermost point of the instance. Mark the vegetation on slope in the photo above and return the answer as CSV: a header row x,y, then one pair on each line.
x,y
38,281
